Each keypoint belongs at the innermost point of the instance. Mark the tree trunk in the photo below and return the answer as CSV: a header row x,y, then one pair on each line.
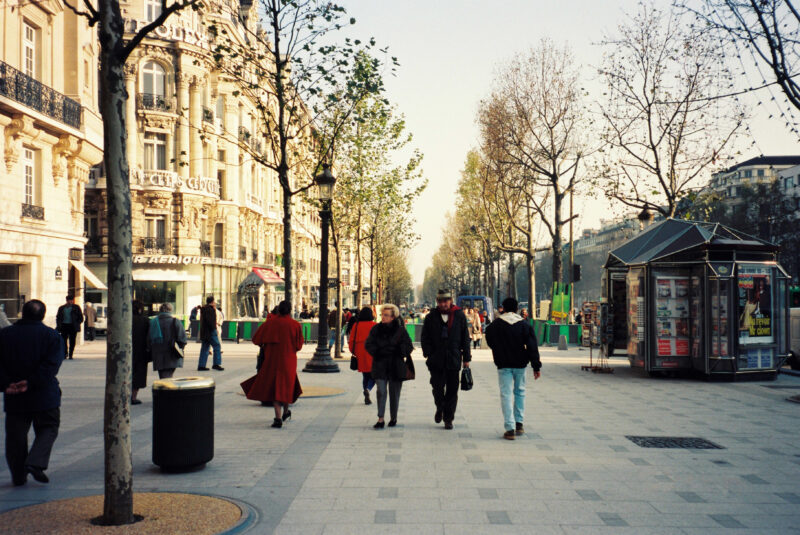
x,y
118,501
359,274
371,266
338,351
558,264
531,260
288,271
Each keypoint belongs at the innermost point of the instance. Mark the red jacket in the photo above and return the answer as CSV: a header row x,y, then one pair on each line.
x,y
358,335
281,337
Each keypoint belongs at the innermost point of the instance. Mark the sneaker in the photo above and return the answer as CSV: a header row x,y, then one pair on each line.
x,y
509,435
202,369
217,367
438,416
520,430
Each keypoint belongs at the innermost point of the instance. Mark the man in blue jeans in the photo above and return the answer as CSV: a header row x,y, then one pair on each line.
x,y
513,344
209,336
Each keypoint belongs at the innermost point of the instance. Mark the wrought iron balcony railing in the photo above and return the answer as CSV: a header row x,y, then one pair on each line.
x,y
34,94
242,253
151,101
150,245
32,211
205,248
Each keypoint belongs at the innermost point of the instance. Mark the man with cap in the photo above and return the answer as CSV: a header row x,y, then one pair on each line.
x,y
446,347
513,344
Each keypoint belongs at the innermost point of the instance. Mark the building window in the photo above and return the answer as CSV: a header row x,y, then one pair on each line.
x,y
218,240
152,9
29,50
748,173
760,172
9,290
29,171
154,80
155,151
155,226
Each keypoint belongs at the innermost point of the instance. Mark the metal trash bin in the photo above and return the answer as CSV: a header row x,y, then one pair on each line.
x,y
183,422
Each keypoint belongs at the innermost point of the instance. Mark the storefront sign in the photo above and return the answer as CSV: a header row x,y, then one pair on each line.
x,y
172,32
171,180
184,260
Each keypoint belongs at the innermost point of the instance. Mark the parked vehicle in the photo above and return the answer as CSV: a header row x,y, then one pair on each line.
x,y
481,302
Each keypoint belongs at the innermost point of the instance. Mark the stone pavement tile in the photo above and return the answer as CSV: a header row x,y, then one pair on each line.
x,y
563,506
770,521
741,531
314,516
519,503
305,529
473,516
386,517
494,529
576,516
384,529
789,497
306,504
498,517
618,530
396,504
707,508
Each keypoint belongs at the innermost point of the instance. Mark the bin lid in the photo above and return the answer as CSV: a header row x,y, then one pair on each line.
x,y
183,383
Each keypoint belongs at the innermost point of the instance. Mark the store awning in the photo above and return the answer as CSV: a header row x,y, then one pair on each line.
x,y
166,275
268,276
87,274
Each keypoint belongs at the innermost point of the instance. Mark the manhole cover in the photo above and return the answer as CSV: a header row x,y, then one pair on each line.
x,y
674,442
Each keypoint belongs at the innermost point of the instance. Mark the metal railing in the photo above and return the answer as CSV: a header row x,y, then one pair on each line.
x,y
32,93
149,245
152,101
205,248
242,253
94,245
32,211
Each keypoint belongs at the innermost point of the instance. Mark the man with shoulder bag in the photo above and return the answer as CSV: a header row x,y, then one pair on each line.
x,y
513,344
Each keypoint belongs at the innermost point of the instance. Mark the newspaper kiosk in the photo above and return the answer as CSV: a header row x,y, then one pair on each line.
x,y
698,296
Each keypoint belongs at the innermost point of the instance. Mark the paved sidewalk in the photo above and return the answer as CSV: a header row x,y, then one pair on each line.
x,y
327,471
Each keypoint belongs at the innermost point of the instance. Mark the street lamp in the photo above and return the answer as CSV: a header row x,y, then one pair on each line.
x,y
322,362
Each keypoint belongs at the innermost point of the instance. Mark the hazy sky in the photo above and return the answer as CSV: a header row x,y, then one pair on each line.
x,y
449,50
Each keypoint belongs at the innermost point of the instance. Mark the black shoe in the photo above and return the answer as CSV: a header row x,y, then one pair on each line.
x,y
202,369
287,415
367,401
448,425
136,402
392,423
509,435
217,367
277,423
438,416
19,480
379,425
38,474
520,430
69,358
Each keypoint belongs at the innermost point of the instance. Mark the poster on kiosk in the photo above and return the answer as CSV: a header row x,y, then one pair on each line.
x,y
755,315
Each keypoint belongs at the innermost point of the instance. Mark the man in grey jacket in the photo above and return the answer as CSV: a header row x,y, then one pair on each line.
x,y
513,344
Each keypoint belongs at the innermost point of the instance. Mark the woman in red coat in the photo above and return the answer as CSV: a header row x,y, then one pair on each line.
x,y
276,383
358,335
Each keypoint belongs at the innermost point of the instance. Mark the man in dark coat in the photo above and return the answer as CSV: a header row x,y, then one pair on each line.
x,y
513,344
68,322
30,356
445,346
209,336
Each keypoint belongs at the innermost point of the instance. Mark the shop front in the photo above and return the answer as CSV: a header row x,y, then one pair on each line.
x,y
697,297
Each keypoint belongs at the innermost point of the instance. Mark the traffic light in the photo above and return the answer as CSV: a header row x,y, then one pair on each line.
x,y
576,272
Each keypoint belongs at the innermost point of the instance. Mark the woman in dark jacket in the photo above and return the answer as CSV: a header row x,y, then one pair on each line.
x,y
164,331
389,344
141,356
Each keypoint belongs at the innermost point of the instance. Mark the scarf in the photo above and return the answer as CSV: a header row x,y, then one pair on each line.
x,y
156,337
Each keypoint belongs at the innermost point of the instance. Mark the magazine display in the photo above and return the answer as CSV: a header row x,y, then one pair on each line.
x,y
672,316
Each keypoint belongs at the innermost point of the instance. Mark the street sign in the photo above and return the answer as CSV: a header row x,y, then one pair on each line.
x,y
333,282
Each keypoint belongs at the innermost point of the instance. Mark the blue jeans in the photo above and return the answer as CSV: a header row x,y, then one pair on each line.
x,y
331,337
512,396
367,382
205,346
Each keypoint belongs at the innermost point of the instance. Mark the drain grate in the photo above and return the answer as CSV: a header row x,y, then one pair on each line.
x,y
674,442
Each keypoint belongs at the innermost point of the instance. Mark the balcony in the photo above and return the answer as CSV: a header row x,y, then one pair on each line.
x,y
244,135
32,211
254,255
34,94
254,203
94,245
151,245
208,115
205,248
153,102
242,253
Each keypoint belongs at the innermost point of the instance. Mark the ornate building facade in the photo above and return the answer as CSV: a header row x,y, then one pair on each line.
x,y
51,135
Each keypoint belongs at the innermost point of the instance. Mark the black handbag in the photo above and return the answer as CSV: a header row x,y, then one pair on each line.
x,y
466,379
411,373
353,357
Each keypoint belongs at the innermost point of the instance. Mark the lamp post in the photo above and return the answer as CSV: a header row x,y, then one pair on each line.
x,y
322,362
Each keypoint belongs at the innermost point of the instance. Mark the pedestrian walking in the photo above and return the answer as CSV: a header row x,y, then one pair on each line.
x,y
276,382
333,315
140,326
475,328
30,356
4,319
68,322
90,316
209,336
358,335
513,344
389,344
164,333
446,347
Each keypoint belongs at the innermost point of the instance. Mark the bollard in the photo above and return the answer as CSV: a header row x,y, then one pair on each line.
x,y
562,342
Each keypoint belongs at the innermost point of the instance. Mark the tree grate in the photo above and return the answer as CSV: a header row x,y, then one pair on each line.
x,y
674,442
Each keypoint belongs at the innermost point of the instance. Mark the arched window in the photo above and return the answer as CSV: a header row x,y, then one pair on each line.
x,y
154,90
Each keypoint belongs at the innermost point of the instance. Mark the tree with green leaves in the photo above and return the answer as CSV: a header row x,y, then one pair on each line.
x,y
297,76
115,48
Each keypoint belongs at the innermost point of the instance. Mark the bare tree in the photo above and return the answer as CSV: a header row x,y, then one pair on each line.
x,y
664,121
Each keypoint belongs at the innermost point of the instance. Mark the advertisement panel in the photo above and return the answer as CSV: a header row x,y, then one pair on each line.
x,y
755,304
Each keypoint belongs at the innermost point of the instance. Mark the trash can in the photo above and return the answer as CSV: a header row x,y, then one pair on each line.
x,y
183,422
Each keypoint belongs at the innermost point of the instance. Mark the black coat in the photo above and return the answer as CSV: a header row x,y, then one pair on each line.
x,y
208,322
389,345
140,326
31,351
513,343
77,317
445,352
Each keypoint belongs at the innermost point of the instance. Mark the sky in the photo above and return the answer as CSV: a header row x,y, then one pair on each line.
x,y
449,51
